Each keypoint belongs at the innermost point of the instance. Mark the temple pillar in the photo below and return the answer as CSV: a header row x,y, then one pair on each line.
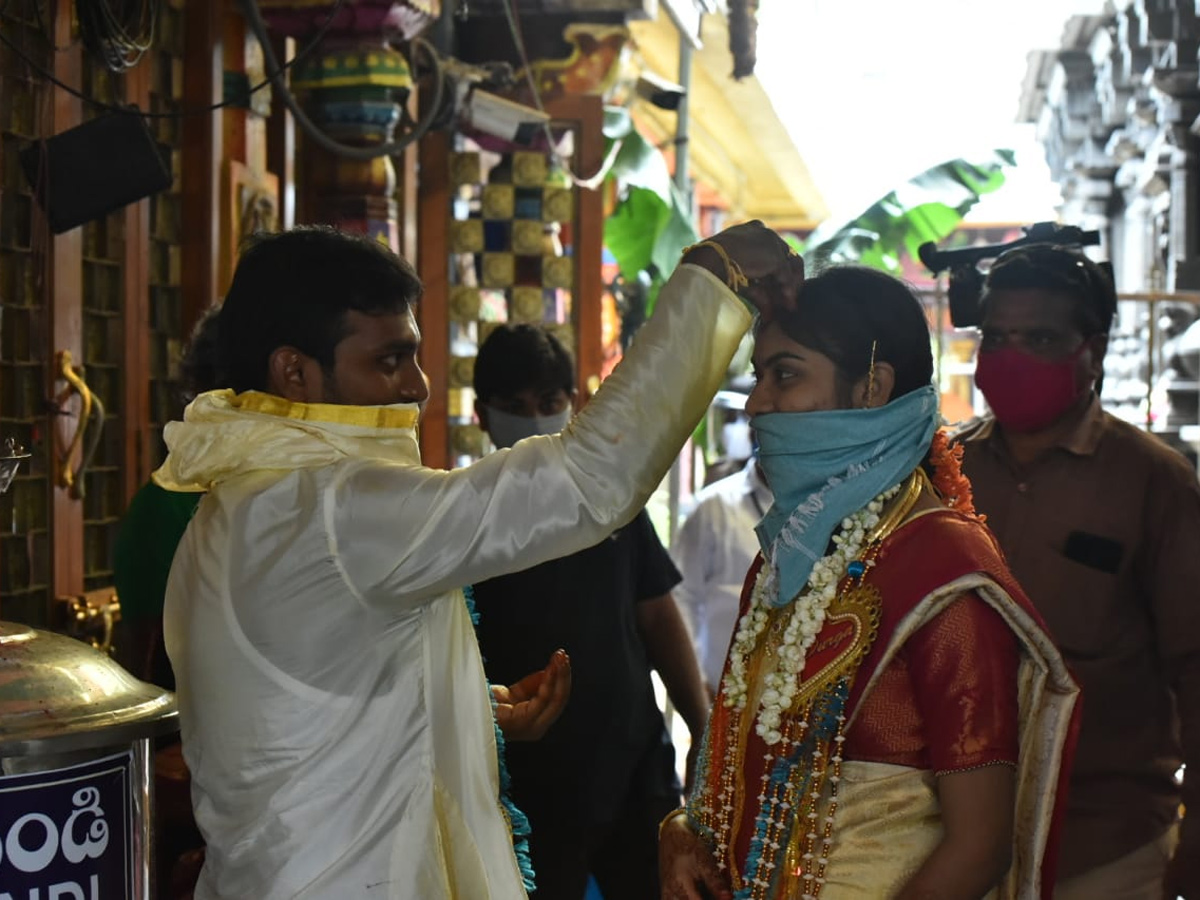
x,y
354,86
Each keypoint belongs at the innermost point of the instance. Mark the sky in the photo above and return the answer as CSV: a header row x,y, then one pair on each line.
x,y
875,91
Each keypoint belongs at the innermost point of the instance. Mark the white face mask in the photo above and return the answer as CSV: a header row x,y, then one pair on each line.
x,y
505,429
735,438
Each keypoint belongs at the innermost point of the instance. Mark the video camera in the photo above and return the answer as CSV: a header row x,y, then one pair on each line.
x,y
966,280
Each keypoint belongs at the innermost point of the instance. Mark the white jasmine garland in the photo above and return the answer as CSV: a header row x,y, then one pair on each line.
x,y
805,623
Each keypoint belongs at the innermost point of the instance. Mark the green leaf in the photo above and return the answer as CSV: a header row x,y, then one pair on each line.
x,y
631,232
640,164
927,207
650,224
677,233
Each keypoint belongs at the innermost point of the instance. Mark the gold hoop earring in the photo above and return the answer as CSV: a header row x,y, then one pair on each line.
x,y
871,375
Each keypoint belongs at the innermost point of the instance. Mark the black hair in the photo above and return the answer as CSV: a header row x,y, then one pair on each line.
x,y
844,310
515,358
295,288
1061,270
199,370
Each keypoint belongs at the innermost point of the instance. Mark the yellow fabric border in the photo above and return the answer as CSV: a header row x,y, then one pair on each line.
x,y
332,413
399,80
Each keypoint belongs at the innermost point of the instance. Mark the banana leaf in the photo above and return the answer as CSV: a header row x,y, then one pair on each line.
x,y
651,224
927,207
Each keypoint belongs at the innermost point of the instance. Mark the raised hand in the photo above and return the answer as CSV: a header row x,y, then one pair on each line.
x,y
525,710
774,273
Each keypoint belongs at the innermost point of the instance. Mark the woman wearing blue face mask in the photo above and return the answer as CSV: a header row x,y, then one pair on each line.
x,y
892,720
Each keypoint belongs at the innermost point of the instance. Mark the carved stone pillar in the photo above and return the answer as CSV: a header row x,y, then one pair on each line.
x,y
1176,93
354,87
1074,130
1183,261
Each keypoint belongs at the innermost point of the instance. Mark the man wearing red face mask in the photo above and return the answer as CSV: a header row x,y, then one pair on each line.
x,y
1101,526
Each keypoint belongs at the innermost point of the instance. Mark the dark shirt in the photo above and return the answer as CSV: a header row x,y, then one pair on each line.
x,y
610,738
1103,532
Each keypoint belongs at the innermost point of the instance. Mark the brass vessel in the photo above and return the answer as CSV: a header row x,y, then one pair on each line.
x,y
58,694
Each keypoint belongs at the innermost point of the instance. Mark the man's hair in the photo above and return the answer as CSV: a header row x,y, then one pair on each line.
x,y
1061,270
515,358
199,369
844,310
294,289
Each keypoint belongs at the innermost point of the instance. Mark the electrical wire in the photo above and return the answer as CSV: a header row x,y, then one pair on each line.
x,y
363,154
182,113
107,35
591,183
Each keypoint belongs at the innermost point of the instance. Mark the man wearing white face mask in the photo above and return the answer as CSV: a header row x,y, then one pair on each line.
x,y
597,784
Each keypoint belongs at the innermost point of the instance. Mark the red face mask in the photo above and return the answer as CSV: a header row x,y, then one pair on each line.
x,y
1027,393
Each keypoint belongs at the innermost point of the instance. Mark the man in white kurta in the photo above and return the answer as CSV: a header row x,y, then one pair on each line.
x,y
334,710
714,549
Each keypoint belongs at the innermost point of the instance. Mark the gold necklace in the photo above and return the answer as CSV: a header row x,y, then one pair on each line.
x,y
893,517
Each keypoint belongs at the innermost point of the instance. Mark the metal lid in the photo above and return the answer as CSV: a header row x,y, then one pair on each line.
x,y
58,694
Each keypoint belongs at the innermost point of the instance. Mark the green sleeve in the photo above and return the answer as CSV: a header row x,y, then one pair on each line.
x,y
151,530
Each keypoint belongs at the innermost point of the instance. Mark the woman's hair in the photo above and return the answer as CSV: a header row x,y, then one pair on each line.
x,y
843,310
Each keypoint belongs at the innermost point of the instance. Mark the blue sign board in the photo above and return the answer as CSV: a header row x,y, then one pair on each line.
x,y
65,834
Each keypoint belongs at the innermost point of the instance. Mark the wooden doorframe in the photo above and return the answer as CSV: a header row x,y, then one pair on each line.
x,y
135,411
585,114
433,266
64,280
202,155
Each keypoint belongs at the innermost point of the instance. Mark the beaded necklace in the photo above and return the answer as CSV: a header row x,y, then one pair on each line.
x,y
800,720
808,612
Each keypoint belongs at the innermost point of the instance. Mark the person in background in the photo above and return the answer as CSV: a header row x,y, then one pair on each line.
x,y
598,782
714,549
1101,525
150,532
153,525
735,442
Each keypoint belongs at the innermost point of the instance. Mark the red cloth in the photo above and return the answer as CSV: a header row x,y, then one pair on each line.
x,y
948,700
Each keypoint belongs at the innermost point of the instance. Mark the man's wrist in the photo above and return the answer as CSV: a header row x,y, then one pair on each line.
x,y
705,257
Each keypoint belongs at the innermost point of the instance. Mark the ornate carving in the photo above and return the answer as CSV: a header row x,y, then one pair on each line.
x,y
592,66
354,87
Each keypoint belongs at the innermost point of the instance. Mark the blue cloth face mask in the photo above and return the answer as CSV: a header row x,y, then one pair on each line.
x,y
824,466
505,429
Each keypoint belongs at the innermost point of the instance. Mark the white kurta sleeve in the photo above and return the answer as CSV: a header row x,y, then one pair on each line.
x,y
403,534
693,554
